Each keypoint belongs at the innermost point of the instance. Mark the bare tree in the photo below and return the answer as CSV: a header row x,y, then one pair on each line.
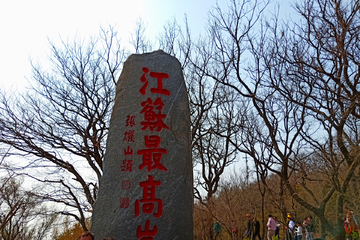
x,y
321,71
60,125
219,111
19,210
211,129
301,84
138,38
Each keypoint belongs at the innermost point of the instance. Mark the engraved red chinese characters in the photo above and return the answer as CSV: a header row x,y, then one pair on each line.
x,y
129,136
144,80
147,234
152,155
160,88
127,166
128,151
149,200
152,119
160,77
130,121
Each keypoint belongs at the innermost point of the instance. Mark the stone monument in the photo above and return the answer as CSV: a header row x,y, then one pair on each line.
x,y
147,187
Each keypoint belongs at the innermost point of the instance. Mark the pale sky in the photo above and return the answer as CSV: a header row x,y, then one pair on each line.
x,y
26,25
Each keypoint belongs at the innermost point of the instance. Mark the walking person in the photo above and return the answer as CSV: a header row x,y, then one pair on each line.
x,y
256,229
250,227
217,229
233,230
304,225
277,231
310,228
298,231
290,228
271,225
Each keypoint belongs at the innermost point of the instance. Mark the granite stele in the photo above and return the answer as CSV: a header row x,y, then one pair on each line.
x,y
146,191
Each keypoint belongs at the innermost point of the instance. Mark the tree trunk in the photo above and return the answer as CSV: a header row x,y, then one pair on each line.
x,y
263,215
339,231
282,206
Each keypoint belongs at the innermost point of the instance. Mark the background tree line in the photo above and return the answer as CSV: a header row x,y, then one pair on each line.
x,y
285,93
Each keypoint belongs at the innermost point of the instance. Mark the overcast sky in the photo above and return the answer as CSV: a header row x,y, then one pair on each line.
x,y
26,25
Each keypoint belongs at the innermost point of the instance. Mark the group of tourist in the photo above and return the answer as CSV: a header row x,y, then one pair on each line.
x,y
252,231
298,230
294,231
90,236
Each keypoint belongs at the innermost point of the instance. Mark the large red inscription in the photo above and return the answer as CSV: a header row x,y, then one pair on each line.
x,y
152,153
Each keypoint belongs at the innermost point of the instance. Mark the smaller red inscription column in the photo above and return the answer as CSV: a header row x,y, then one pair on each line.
x,y
127,163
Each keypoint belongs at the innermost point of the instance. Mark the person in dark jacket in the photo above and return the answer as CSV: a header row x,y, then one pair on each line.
x,y
277,231
256,229
250,227
310,228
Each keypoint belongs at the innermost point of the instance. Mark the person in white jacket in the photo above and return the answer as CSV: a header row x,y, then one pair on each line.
x,y
290,228
298,231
